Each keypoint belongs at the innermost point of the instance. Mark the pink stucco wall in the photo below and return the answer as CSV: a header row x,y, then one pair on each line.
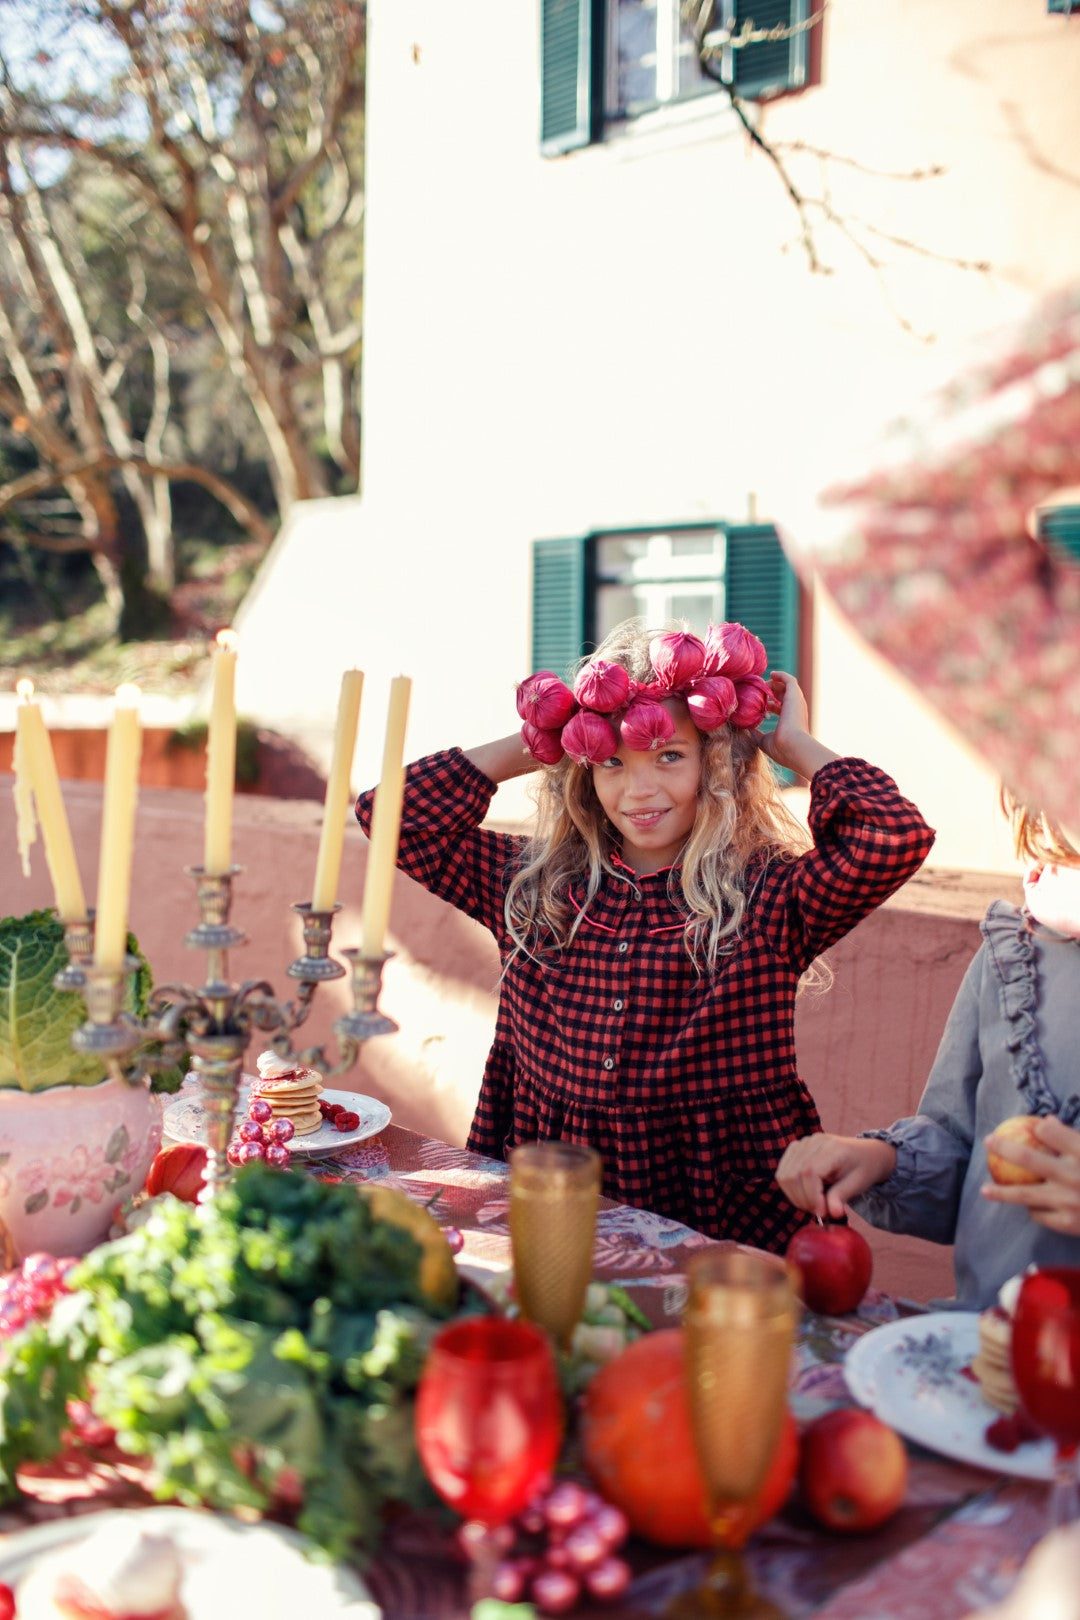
x,y
865,1046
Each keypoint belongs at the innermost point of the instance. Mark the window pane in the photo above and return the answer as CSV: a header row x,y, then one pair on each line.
x,y
692,79
635,46
660,577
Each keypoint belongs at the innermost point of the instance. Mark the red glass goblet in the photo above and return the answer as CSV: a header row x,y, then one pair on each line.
x,y
1046,1371
489,1425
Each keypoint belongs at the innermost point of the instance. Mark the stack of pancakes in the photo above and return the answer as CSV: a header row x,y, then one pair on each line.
x,y
991,1365
292,1092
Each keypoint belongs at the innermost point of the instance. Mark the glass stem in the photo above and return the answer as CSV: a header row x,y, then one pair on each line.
x,y
1064,1493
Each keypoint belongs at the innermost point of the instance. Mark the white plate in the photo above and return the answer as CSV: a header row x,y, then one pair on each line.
x,y
184,1121
229,1567
910,1374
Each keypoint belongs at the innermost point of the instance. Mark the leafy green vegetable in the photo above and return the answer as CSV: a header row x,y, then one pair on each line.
x,y
281,1327
37,1021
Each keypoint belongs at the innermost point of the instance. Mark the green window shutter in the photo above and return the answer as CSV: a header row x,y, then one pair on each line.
x,y
763,592
1060,526
568,44
771,65
561,609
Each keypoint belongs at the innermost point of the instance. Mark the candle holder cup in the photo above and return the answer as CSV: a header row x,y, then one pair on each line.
x,y
212,1024
79,944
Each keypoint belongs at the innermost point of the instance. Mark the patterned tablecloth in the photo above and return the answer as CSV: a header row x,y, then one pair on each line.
x,y
955,1545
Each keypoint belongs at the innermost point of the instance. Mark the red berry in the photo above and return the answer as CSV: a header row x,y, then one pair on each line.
x,y
507,1582
566,1505
346,1122
282,1130
232,1153
555,1591
260,1111
611,1523
608,1580
250,1152
41,1268
278,1155
7,1602
249,1130
585,1546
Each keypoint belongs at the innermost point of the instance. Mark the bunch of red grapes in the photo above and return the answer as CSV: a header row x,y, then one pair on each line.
x,y
31,1290
262,1137
563,1548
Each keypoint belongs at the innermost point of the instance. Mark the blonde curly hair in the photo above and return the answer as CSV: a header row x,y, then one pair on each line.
x,y
741,816
1035,836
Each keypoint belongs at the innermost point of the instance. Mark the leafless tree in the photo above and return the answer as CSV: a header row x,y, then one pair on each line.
x,y
230,135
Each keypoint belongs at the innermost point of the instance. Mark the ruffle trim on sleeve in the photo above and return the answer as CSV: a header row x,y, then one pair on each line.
x,y
1013,950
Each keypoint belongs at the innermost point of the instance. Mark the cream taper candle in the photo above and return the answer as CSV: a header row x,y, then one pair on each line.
x,y
118,831
385,823
221,756
338,786
36,771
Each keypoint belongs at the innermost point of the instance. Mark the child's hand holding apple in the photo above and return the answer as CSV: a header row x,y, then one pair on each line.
x,y
1034,1163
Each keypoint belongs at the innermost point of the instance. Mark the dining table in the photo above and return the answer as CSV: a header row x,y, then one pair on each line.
x,y
954,1546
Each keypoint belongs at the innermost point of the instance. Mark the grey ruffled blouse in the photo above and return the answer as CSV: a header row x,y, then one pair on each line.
x,y
1011,1045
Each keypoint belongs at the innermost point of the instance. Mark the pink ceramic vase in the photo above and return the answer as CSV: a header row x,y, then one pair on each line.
x,y
68,1157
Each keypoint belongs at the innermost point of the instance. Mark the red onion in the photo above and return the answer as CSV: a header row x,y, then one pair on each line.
x,y
602,686
677,658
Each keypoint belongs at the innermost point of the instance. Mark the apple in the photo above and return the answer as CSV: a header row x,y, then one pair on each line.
x,y
834,1262
853,1470
1018,1128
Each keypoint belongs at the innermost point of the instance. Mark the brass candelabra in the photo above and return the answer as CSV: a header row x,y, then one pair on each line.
x,y
212,1024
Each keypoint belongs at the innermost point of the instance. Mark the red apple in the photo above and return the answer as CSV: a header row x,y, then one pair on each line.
x,y
834,1263
1018,1128
852,1470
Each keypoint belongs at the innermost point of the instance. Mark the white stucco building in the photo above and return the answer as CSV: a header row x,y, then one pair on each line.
x,y
597,361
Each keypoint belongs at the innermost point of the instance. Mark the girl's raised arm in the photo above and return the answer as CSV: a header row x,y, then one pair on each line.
x,y
790,745
503,759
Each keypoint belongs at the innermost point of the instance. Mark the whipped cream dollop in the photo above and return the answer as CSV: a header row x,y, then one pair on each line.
x,y
272,1067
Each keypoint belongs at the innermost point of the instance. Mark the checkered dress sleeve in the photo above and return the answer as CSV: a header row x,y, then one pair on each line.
x,y
868,840
442,845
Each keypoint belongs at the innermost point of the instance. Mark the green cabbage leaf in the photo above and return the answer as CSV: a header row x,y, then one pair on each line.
x,y
37,1021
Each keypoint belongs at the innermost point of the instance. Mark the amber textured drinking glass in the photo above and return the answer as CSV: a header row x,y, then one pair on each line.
x,y
554,1195
738,1332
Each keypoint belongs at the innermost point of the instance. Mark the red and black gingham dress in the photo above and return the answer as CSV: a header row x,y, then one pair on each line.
x,y
686,1084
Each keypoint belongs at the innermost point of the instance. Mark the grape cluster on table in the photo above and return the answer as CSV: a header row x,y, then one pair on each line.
x,y
563,1549
262,1137
31,1290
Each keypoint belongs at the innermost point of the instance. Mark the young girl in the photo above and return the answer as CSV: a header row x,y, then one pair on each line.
x,y
654,929
1009,1047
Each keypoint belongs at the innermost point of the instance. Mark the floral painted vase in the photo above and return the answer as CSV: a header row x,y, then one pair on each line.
x,y
68,1157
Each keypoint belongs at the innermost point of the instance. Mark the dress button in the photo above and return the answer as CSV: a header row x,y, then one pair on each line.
x,y
618,1004
609,1063
623,946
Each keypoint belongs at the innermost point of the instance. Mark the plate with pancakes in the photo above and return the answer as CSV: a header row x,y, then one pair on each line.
x,y
315,1137
921,1375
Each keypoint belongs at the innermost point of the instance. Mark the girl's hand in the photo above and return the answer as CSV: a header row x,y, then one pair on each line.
x,y
790,744
819,1173
1053,1200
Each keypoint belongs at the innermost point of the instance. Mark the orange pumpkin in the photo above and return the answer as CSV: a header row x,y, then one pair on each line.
x,y
638,1446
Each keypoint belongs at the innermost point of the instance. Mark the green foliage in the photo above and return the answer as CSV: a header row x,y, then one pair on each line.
x,y
38,1021
193,737
281,1326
